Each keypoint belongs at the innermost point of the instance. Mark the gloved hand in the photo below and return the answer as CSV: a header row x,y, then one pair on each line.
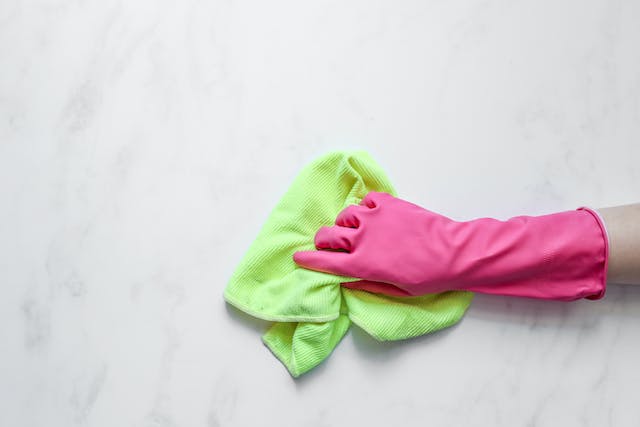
x,y
401,249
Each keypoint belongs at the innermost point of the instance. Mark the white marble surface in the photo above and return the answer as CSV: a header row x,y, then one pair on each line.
x,y
142,144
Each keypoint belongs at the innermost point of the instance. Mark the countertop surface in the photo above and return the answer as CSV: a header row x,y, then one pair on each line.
x,y
143,144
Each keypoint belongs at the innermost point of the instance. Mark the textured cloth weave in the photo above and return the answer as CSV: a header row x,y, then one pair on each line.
x,y
310,310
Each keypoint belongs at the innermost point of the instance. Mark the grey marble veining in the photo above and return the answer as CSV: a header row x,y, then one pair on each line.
x,y
143,143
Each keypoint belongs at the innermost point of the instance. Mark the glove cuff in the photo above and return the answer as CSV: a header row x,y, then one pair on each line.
x,y
561,256
607,244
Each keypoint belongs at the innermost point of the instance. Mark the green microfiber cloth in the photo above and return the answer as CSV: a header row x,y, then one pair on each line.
x,y
310,310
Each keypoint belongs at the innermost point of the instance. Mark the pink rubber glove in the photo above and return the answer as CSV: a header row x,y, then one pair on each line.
x,y
401,249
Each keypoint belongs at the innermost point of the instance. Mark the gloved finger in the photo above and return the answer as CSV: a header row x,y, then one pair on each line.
x,y
374,198
377,288
349,217
335,237
324,261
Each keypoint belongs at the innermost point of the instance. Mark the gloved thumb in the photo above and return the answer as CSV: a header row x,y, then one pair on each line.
x,y
332,262
377,288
